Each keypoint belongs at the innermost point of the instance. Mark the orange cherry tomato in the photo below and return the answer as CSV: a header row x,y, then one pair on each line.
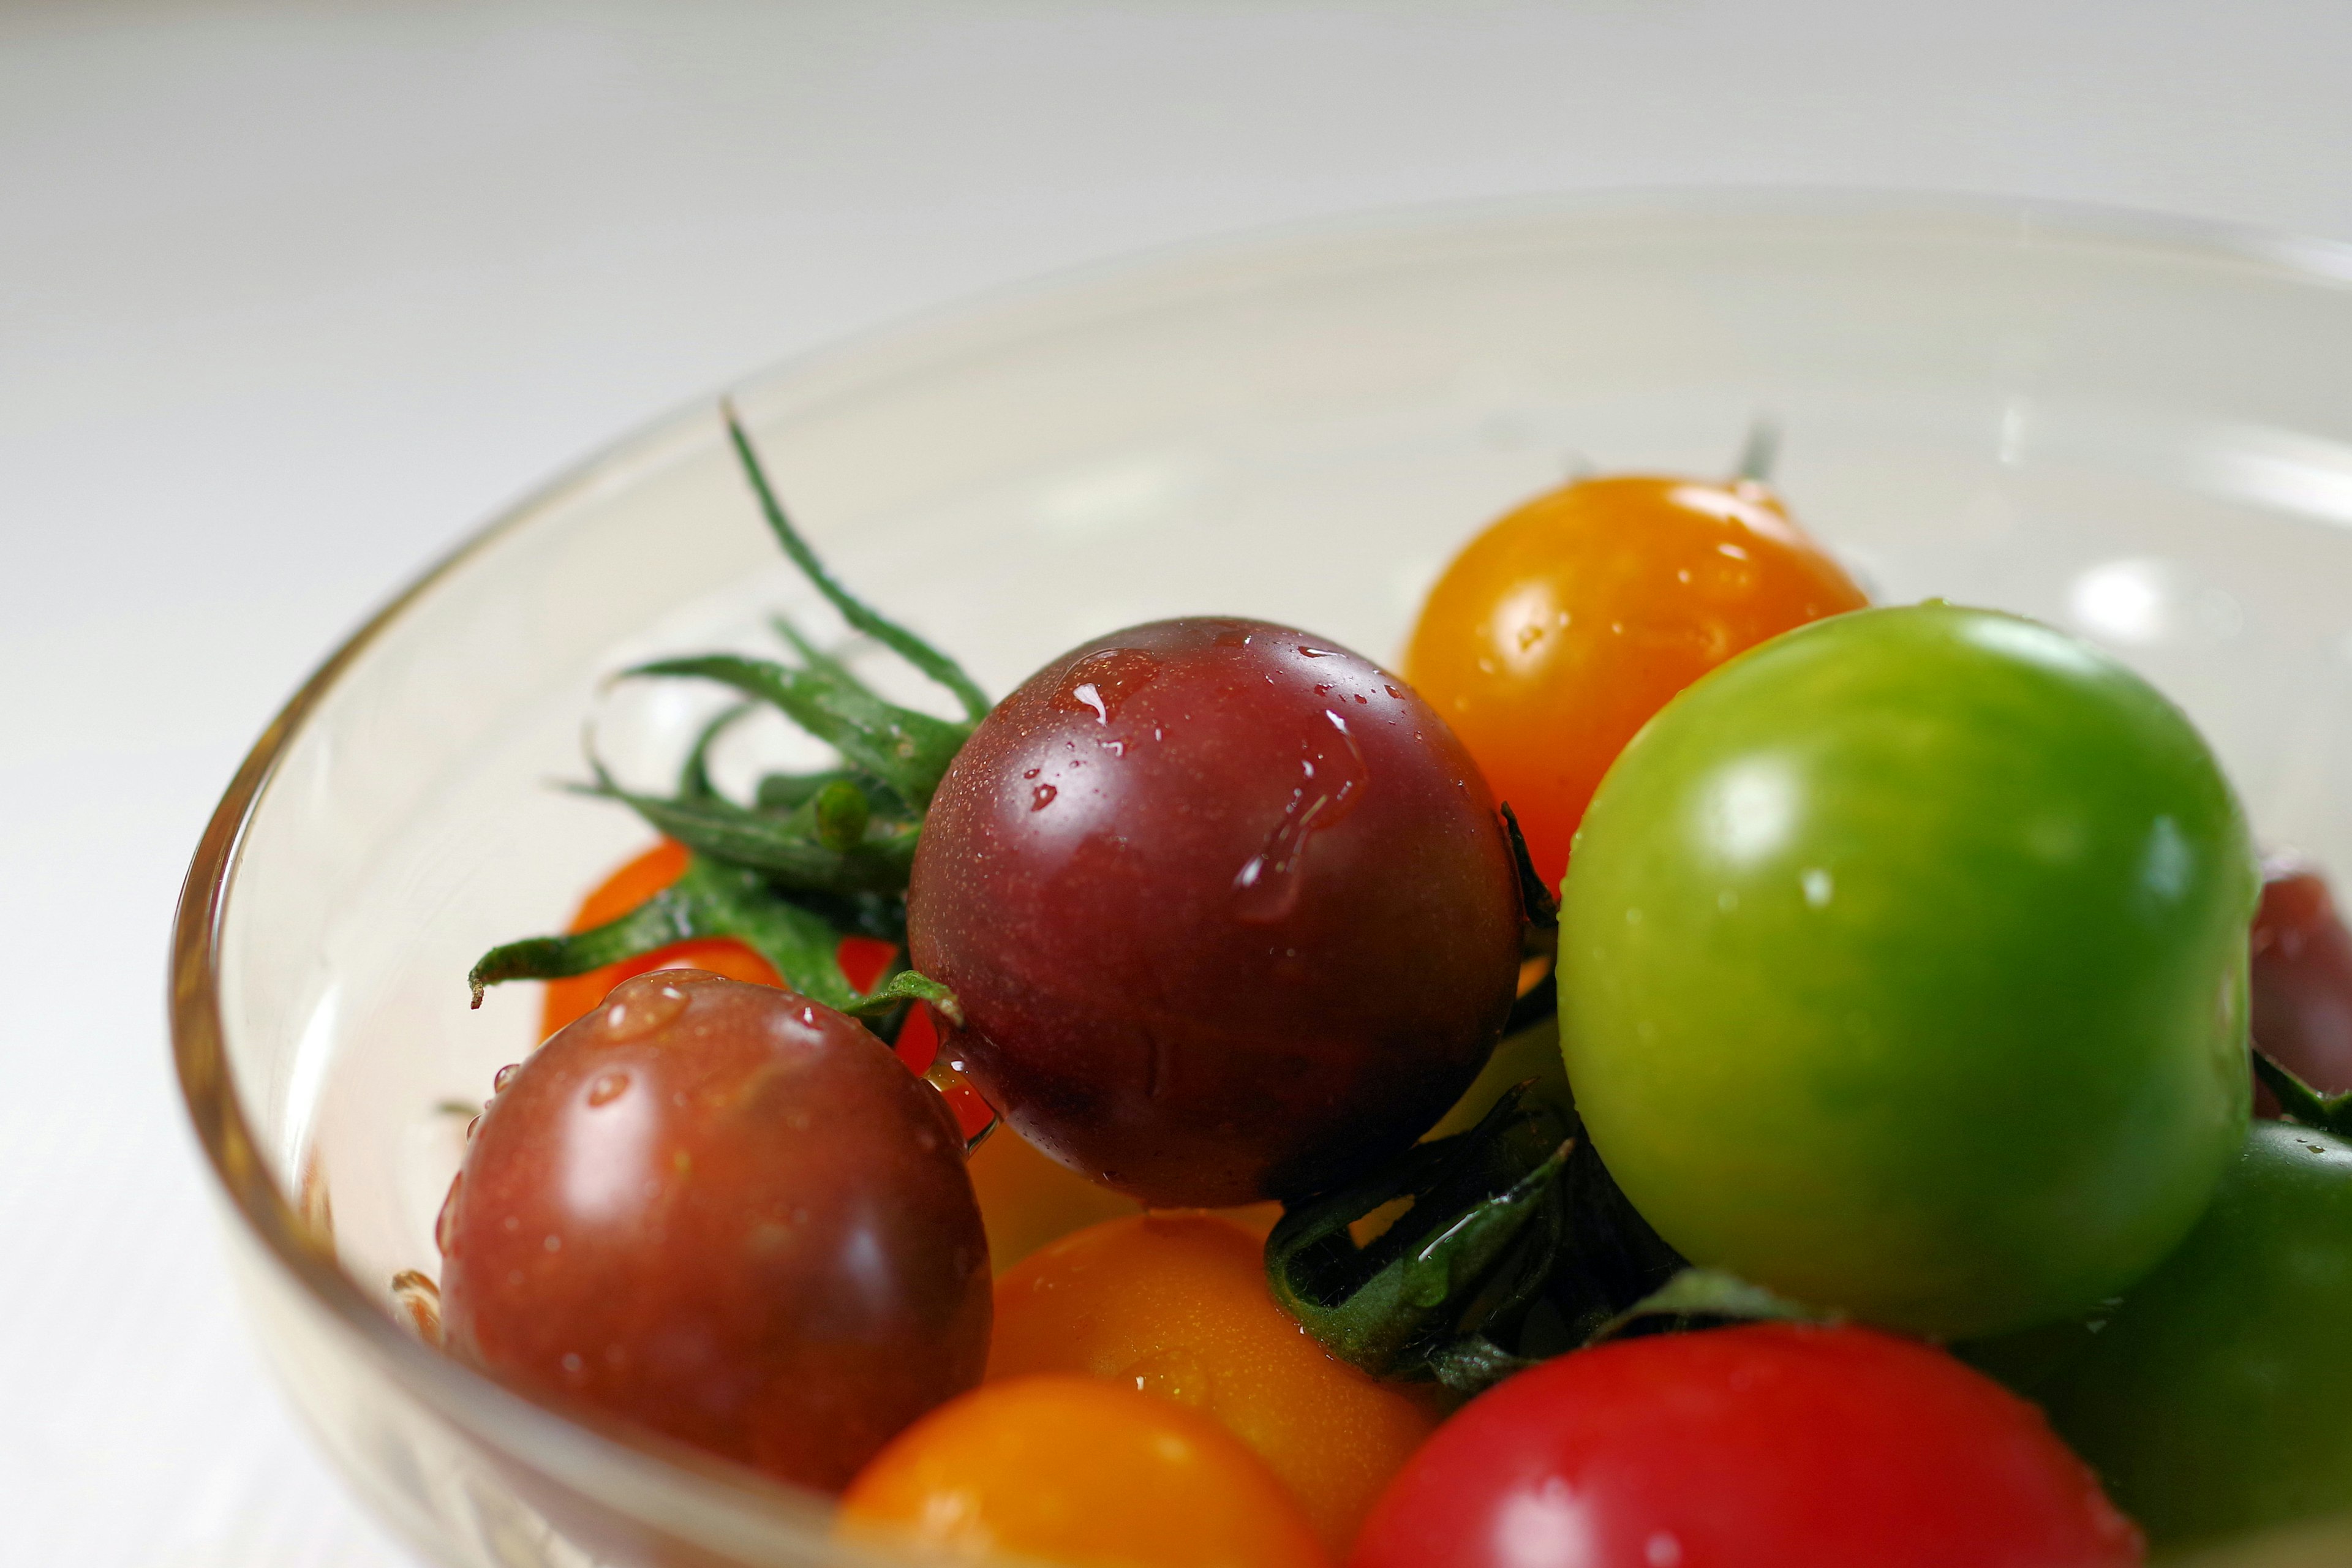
x,y
1027,1198
624,890
1556,633
1177,1305
1067,1470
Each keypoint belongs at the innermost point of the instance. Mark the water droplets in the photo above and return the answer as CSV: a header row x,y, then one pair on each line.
x,y
1266,887
640,1006
607,1088
1103,681
1042,796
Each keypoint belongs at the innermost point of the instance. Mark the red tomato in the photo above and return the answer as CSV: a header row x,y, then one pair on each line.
x,y
2302,980
1770,1445
1558,632
727,1213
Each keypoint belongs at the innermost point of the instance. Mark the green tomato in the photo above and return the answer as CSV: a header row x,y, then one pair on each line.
x,y
1903,970
2217,1396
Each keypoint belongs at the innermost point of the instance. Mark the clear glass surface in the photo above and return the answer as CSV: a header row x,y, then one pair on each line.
x,y
2141,432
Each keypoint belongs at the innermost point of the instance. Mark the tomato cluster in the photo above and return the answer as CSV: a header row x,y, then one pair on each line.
x,y
1866,980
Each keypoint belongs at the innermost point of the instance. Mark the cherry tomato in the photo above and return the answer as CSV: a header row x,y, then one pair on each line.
x,y
1029,1200
1177,1305
1770,1446
1902,971
2302,980
2218,1397
727,1213
1556,633
625,889
1067,1470
1229,910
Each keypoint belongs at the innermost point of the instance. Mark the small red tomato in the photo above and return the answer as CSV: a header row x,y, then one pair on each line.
x,y
729,1214
1229,910
2302,980
1770,1445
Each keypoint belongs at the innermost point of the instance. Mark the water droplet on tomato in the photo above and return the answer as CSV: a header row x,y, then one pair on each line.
x,y
637,1007
504,1076
1267,886
1104,680
608,1087
1042,796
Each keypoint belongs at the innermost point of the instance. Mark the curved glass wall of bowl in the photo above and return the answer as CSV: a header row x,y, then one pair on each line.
x,y
2145,437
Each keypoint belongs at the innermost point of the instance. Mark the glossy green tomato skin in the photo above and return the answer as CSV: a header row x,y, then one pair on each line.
x,y
2218,1397
1904,970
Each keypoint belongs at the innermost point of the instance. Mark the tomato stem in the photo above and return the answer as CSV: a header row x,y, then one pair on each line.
x,y
2329,1113
1698,1298
929,660
1760,452
1537,905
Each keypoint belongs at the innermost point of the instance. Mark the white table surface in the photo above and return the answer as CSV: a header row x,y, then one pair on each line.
x,y
291,297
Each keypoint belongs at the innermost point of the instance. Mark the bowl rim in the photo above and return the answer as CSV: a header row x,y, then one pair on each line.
x,y
635,1468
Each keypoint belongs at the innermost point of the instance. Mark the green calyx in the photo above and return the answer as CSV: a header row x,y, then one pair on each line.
x,y
1513,1246
811,858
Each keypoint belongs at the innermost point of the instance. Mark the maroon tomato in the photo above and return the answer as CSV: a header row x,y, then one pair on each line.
x,y
727,1213
1228,908
2302,980
1770,1446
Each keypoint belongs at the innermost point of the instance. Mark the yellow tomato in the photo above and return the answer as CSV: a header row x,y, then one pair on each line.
x,y
1177,1305
1556,634
1069,1469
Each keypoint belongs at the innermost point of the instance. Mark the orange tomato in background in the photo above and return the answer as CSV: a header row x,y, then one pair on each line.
x,y
1558,632
616,895
1176,1304
1069,1469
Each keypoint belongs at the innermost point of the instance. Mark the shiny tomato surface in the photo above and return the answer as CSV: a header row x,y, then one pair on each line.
x,y
1177,1305
725,1212
1556,634
634,882
1229,910
2302,980
2216,1397
1902,971
1770,1445
1072,1471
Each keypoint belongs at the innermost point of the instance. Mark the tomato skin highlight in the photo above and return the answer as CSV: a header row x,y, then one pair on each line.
x,y
1177,1305
1072,1471
1903,966
1230,913
1769,1445
727,1213
2218,1397
1559,630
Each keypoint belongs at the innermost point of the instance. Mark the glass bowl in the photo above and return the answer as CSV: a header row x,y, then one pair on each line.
x,y
2141,431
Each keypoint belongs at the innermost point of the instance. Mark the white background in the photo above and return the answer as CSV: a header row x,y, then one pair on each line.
x,y
291,297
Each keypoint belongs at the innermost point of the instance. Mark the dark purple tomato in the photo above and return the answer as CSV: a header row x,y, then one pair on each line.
x,y
1228,908
2302,980
729,1214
